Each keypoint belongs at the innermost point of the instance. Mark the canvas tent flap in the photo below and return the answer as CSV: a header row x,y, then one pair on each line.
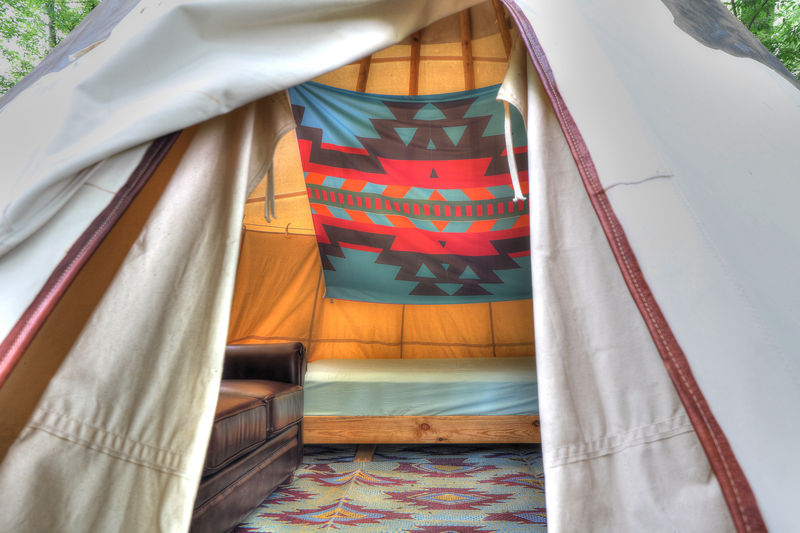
x,y
25,270
133,388
92,30
155,63
607,403
691,145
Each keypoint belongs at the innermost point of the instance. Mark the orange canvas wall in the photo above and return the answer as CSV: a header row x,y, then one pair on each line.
x,y
280,289
279,297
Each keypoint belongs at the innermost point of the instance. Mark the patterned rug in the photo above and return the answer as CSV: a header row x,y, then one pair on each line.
x,y
409,488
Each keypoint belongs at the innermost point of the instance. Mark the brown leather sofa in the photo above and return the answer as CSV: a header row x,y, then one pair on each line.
x,y
257,438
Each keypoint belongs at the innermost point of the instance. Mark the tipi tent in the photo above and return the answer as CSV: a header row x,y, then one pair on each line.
x,y
662,235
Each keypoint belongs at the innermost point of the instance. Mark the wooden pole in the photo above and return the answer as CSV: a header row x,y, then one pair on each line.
x,y
365,453
502,23
413,79
466,49
363,74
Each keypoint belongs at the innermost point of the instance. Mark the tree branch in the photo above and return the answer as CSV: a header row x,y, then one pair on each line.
x,y
756,14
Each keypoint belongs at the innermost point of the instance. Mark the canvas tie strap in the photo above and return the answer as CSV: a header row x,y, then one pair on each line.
x,y
276,113
512,161
269,197
514,91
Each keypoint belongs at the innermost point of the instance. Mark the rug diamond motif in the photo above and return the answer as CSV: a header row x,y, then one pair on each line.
x,y
443,498
342,513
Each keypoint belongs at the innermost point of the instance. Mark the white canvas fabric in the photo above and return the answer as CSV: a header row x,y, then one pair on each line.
x,y
620,453
26,268
696,149
118,439
170,64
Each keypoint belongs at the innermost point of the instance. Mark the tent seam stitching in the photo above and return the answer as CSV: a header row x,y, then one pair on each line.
x,y
609,450
81,422
625,432
114,452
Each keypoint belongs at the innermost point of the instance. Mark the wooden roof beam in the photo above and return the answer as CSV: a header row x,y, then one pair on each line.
x,y
363,74
502,23
413,78
466,49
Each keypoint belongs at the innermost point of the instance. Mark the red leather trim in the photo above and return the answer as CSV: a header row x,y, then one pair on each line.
x,y
26,328
735,487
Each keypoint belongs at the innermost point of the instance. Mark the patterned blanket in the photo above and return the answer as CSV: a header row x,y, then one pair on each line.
x,y
411,196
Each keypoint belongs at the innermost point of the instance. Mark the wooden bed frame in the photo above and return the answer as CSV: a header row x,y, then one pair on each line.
x,y
420,429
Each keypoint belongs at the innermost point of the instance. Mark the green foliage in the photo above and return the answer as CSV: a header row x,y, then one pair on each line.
x,y
29,29
776,23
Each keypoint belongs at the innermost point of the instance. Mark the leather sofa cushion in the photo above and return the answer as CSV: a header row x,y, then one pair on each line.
x,y
214,484
240,426
284,401
248,413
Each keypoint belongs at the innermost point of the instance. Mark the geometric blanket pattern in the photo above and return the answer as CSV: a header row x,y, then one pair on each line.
x,y
428,489
411,196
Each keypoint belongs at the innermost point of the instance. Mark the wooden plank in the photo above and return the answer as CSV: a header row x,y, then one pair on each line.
x,y
277,196
440,58
466,50
502,23
364,453
363,74
413,79
420,429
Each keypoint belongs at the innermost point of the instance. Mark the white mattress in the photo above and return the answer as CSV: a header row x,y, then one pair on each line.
x,y
427,387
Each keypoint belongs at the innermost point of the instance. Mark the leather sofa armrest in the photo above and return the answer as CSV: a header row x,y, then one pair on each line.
x,y
285,362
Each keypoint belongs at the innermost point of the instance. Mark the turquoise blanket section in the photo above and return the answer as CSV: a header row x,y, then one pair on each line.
x,y
422,387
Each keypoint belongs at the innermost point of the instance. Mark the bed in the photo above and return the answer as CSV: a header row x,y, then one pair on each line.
x,y
454,400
